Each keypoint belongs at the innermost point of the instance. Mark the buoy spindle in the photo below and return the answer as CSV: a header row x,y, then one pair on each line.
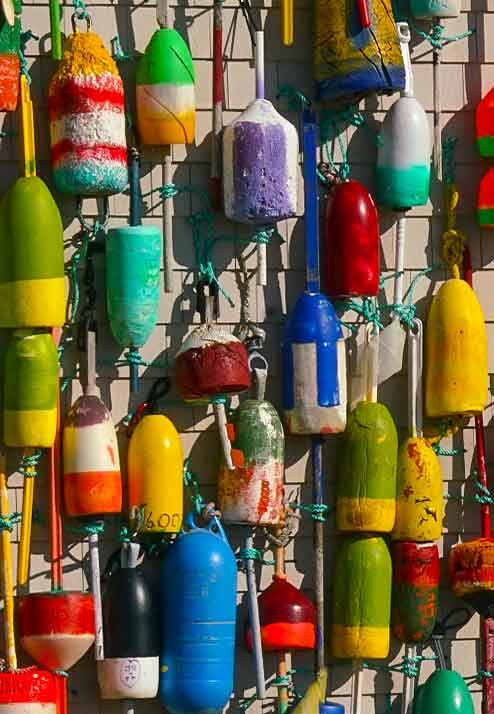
x,y
6,570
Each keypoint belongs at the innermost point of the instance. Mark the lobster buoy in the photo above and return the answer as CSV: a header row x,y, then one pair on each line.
x,y
456,373
30,390
471,573
361,599
30,691
56,628
445,692
260,164
366,483
484,122
133,259
415,594
485,200
87,120
199,577
331,708
252,494
351,242
155,475
131,628
92,483
424,9
165,94
32,282
211,361
350,60
419,499
287,617
10,66
314,368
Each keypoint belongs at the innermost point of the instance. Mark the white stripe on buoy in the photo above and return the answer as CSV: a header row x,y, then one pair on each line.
x,y
90,448
100,127
57,651
128,677
28,708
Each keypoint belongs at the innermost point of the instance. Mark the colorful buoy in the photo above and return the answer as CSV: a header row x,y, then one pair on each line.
x,y
351,242
415,591
445,692
455,352
87,120
30,390
471,573
29,691
32,283
10,66
366,483
485,200
165,93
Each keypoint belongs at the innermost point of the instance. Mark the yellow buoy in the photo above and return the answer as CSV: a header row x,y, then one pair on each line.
x,y
455,352
155,476
419,493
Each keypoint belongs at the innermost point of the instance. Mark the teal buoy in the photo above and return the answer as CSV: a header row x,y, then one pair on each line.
x,y
445,692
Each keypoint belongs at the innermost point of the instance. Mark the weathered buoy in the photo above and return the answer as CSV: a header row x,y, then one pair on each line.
x,y
56,629
422,9
455,352
361,608
471,573
32,283
350,60
130,669
287,617
30,390
199,576
133,260
29,691
165,93
445,692
155,476
91,464
419,493
484,124
87,120
252,494
211,361
415,594
366,483
404,148
351,242
314,368
10,66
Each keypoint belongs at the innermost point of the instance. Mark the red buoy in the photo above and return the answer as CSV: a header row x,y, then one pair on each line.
x,y
288,618
351,242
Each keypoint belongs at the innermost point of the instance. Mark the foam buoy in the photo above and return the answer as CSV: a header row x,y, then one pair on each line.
x,y
30,390
419,493
87,120
361,599
351,242
10,66
485,200
415,591
165,93
130,669
351,58
422,9
155,473
199,577
455,352
445,692
314,368
471,573
366,483
32,283
29,691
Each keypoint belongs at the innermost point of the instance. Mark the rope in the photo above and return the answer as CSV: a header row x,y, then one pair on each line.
x,y
25,37
117,51
296,100
96,528
435,36
253,554
409,665
28,466
192,487
318,511
453,239
7,523
367,308
80,10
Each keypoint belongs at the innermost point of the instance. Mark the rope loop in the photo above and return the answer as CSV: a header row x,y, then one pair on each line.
x,y
28,466
7,523
253,554
435,36
296,100
317,511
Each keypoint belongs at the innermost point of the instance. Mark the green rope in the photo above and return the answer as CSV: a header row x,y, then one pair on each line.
x,y
435,36
477,678
296,100
253,554
263,235
96,528
318,511
409,665
117,51
7,523
485,496
28,465
367,308
25,37
192,486
449,166
80,9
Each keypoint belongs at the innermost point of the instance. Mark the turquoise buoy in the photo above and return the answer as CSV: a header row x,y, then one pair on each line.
x,y
133,261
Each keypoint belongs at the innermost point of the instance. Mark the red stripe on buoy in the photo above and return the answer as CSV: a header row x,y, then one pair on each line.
x,y
102,152
30,685
68,613
76,97
92,492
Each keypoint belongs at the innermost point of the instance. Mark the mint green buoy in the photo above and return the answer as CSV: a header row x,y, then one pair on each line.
x,y
133,262
445,692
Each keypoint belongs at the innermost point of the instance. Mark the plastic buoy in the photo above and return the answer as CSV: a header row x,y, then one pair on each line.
x,y
485,200
199,577
87,120
30,390
165,93
29,691
32,282
10,66
471,573
445,692
351,242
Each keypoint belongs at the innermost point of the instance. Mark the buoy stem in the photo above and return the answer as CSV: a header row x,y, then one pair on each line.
x,y
254,620
168,221
259,64
216,169
311,210
7,584
55,509
318,499
26,523
415,367
399,261
357,687
96,590
221,423
408,682
437,152
404,37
